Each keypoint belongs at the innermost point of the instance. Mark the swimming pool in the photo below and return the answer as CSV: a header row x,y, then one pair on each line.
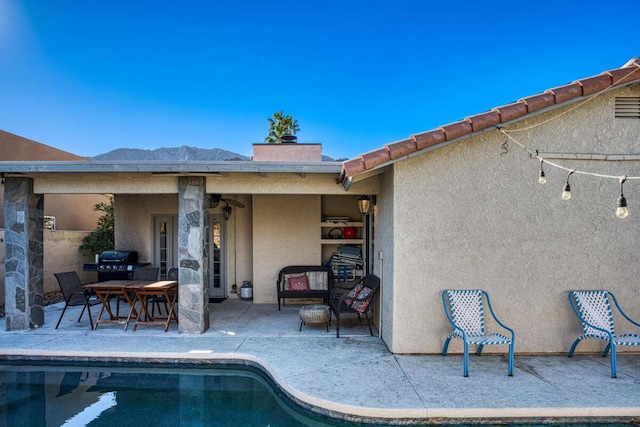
x,y
108,394
113,395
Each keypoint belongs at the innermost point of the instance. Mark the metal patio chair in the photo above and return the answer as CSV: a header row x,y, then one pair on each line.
x,y
465,312
593,308
356,300
74,295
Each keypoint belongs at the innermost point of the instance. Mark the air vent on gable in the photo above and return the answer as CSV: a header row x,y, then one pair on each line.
x,y
627,107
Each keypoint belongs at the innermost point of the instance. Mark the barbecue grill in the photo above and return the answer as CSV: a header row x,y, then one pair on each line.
x,y
117,265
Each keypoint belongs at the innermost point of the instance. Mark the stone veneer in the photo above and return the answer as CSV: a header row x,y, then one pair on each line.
x,y
24,255
193,290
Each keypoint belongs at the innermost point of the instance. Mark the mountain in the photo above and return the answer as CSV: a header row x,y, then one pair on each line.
x,y
183,153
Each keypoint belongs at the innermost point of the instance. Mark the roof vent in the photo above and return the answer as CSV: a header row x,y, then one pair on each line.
x,y
627,107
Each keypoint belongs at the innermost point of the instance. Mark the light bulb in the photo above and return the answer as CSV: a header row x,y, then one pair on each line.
x,y
541,178
622,211
566,193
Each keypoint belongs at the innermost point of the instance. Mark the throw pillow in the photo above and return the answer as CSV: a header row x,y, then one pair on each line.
x,y
353,293
360,305
298,282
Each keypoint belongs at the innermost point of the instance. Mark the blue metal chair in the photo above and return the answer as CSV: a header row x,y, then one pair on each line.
x,y
593,308
465,312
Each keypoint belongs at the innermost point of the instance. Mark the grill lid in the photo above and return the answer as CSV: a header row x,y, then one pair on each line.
x,y
118,257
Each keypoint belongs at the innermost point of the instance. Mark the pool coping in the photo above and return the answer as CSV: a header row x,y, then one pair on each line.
x,y
362,414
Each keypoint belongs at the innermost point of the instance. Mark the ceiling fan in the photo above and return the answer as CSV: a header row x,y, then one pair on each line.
x,y
215,200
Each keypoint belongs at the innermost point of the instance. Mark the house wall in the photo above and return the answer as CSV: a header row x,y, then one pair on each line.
x,y
286,231
472,215
60,254
385,267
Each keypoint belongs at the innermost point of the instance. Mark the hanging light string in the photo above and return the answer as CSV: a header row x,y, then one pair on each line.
x,y
535,155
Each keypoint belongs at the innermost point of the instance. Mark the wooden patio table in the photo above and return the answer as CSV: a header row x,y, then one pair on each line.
x,y
115,288
165,288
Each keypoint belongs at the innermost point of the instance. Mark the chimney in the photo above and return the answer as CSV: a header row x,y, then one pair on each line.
x,y
287,152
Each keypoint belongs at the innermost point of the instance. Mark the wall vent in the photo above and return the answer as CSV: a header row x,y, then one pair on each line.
x,y
627,107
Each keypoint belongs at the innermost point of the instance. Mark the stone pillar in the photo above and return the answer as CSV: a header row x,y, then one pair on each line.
x,y
23,215
193,223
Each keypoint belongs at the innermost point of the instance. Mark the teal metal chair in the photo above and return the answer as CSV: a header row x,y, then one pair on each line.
x,y
465,312
593,308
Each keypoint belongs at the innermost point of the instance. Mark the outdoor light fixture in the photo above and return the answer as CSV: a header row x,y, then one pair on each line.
x,y
364,204
566,192
542,179
621,210
227,212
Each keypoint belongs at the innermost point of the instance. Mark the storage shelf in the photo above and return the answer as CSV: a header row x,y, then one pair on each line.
x,y
341,224
342,241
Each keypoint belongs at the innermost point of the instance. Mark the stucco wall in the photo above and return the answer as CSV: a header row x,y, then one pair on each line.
x,y
471,215
60,254
286,231
384,232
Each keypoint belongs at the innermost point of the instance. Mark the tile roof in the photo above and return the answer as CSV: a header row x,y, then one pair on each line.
x,y
626,74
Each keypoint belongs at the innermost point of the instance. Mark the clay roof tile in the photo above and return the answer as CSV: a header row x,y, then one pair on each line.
x,y
511,111
457,129
624,75
427,139
538,102
402,148
354,166
566,92
484,120
376,157
595,84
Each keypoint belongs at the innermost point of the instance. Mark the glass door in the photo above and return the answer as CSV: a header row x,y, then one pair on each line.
x,y
217,265
165,243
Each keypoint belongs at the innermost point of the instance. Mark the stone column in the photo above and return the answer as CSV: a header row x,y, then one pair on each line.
x,y
193,224
23,215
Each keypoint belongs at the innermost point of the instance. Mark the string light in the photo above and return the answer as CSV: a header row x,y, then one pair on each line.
x,y
542,179
622,211
566,192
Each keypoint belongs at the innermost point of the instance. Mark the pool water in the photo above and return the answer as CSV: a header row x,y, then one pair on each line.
x,y
147,395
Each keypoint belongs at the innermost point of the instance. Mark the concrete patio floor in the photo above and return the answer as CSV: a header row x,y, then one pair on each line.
x,y
355,377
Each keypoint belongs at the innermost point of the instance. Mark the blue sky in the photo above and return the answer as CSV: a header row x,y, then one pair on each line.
x,y
91,76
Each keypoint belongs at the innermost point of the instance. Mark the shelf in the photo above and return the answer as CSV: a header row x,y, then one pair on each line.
x,y
342,241
341,224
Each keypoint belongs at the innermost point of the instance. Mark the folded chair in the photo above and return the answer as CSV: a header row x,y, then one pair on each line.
x,y
465,312
355,300
593,308
74,294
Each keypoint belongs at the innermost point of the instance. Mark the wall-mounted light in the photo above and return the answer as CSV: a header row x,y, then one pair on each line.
x,y
364,205
622,211
226,211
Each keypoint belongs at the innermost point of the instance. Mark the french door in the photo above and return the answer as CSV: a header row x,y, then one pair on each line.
x,y
217,264
165,243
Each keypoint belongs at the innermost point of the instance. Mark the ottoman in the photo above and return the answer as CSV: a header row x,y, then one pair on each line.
x,y
316,313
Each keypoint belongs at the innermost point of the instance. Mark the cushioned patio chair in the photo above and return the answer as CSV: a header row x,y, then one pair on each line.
x,y
356,300
74,295
593,308
465,312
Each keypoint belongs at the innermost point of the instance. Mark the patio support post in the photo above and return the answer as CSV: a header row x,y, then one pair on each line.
x,y
193,288
23,216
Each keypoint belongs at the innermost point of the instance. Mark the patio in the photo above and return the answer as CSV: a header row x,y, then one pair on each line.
x,y
356,377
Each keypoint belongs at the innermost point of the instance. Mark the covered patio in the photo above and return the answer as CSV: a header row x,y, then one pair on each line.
x,y
355,377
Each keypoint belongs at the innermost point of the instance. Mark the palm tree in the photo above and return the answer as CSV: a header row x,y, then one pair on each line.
x,y
280,125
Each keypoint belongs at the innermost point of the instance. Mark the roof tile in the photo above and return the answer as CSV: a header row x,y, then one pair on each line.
x,y
538,102
376,157
354,166
457,129
566,92
511,111
427,139
624,75
484,120
401,148
594,84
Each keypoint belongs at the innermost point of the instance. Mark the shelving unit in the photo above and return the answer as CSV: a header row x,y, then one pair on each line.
x,y
330,245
